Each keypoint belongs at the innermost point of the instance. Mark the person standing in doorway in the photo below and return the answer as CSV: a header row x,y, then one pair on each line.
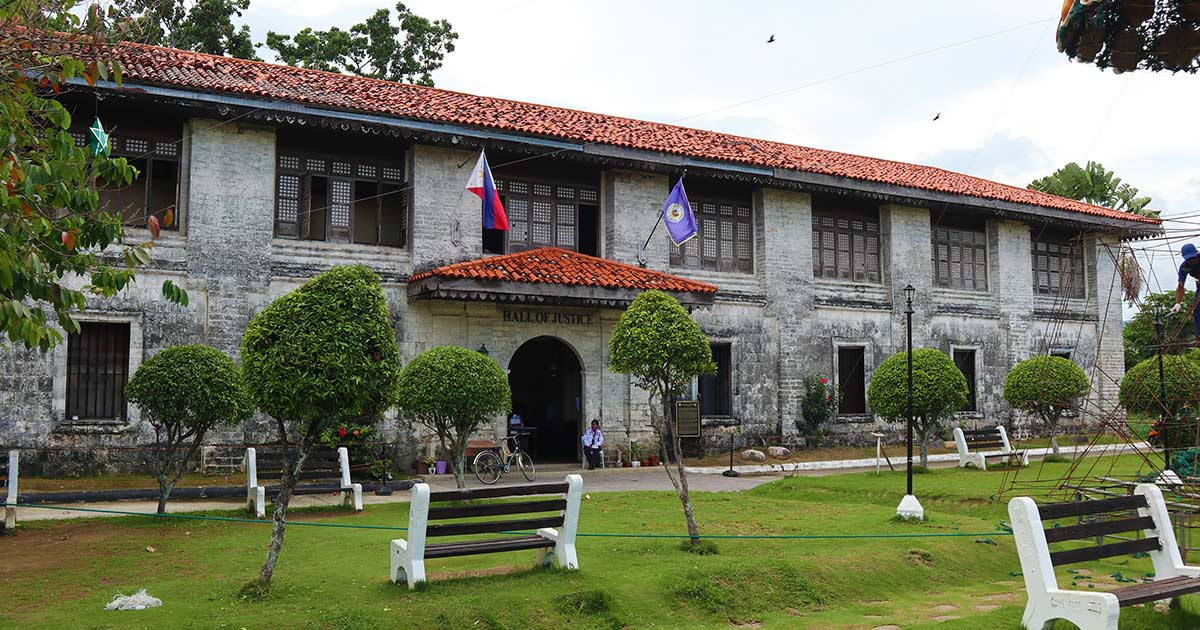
x,y
593,439
1189,267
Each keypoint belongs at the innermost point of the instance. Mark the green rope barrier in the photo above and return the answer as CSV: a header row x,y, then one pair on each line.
x,y
230,519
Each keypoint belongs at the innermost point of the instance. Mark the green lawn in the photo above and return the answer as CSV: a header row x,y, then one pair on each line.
x,y
60,574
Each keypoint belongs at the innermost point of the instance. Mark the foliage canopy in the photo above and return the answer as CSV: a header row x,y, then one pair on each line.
x,y
192,387
53,231
1181,379
659,344
1045,385
1177,329
939,390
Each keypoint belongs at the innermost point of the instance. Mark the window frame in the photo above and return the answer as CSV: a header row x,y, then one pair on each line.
x,y
1076,253
973,380
954,235
118,363
154,146
837,223
714,214
722,381
841,390
521,219
339,171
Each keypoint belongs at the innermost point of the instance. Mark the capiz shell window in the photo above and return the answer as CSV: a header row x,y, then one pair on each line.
x,y
845,241
341,199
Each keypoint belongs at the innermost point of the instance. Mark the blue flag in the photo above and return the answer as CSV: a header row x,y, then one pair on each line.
x,y
677,214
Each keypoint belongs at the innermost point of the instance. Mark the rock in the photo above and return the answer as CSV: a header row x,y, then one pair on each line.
x,y
754,455
779,452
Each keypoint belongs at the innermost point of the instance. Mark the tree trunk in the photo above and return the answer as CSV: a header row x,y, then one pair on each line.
x,y
164,491
291,476
923,436
460,464
668,434
1054,444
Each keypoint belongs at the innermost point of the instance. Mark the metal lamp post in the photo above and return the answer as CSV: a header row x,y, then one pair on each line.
x,y
910,507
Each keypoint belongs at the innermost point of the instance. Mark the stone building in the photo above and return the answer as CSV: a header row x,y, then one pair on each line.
x,y
276,174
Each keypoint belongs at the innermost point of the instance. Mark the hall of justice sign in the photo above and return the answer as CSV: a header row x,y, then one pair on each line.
x,y
564,318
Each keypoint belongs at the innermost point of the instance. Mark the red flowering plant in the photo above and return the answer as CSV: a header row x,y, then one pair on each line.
x,y
818,408
359,440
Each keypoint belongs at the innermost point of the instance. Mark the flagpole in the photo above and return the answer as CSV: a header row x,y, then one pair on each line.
x,y
641,259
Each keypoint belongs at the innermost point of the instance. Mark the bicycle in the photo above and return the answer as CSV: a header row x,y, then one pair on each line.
x,y
489,465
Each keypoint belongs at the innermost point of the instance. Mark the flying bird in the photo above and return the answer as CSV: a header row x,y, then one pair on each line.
x,y
771,39
939,115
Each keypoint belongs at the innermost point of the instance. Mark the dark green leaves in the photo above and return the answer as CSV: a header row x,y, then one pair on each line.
x,y
193,387
453,390
939,388
656,341
1045,385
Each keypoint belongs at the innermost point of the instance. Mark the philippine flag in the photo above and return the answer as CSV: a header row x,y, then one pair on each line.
x,y
482,184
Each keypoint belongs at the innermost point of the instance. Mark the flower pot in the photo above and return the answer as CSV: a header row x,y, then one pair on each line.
x,y
635,464
422,467
654,460
626,464
645,462
440,467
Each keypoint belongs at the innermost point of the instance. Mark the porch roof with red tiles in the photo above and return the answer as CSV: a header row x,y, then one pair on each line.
x,y
553,265
208,73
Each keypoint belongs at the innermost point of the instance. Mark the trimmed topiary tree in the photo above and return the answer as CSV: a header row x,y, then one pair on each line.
x,y
1046,387
322,354
939,390
454,391
183,392
1181,377
657,342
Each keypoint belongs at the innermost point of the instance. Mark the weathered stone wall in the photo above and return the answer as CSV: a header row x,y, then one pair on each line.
x,y
780,321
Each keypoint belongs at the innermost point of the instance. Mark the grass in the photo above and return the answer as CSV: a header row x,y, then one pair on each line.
x,y
61,573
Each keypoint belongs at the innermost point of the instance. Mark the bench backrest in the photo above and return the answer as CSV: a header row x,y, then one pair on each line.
x,y
266,463
986,439
1144,511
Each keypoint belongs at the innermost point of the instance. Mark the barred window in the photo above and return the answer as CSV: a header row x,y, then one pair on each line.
x,y
546,214
154,152
724,238
97,369
960,258
341,199
1058,266
846,245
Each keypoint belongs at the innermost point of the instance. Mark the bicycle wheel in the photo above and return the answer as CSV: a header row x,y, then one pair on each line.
x,y
487,466
525,463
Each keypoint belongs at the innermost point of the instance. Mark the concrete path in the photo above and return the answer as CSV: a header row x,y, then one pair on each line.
x,y
610,480
704,479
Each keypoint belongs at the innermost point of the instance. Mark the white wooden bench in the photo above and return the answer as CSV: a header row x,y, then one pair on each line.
x,y
555,532
321,465
972,444
11,471
1091,610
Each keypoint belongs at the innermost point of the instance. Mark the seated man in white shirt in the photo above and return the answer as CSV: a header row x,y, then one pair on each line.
x,y
593,439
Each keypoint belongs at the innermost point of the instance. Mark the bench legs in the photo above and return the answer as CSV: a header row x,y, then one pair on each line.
x,y
403,565
353,497
256,501
1088,611
563,552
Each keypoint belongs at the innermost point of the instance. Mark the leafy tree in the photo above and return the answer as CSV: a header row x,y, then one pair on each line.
x,y
322,354
819,405
454,391
1046,386
659,344
183,392
407,50
1130,34
202,25
1095,185
52,232
939,390
1178,333
1140,394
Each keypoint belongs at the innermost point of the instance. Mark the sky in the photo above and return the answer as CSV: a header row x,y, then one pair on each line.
x,y
860,76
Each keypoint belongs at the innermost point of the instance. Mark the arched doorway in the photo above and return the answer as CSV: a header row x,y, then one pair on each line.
x,y
547,390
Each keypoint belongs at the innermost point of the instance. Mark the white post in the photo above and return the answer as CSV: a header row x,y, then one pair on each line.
x,y
878,450
256,495
10,510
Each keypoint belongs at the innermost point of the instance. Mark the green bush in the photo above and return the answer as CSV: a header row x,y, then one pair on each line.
x,y
183,392
820,403
1181,381
939,390
322,354
1046,386
454,391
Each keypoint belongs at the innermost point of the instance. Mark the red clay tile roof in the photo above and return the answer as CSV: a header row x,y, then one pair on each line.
x,y
552,265
196,71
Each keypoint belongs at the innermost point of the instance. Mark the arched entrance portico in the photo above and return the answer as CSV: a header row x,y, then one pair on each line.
x,y
547,390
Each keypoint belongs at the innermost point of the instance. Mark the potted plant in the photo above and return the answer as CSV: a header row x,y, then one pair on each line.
x,y
381,470
440,467
635,454
428,463
652,459
818,408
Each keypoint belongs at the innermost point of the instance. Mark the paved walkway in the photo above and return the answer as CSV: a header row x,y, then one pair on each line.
x,y
704,479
